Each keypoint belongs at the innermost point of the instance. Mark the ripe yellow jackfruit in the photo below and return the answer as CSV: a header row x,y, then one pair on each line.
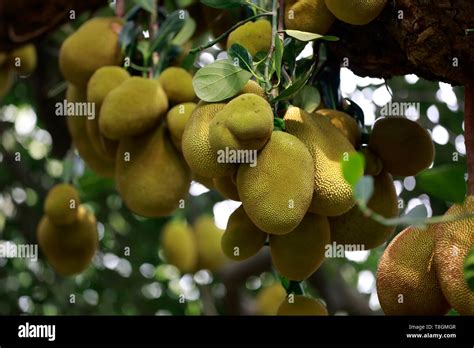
x,y
407,281
23,59
242,239
299,254
103,166
178,85
226,187
254,36
208,238
404,147
453,242
69,249
94,45
273,196
301,305
103,81
7,77
176,119
61,204
354,228
245,123
253,87
308,15
345,123
179,245
132,108
269,299
196,147
332,194
356,12
152,177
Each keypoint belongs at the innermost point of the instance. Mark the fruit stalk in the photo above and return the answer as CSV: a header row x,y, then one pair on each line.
x,y
269,85
120,8
469,133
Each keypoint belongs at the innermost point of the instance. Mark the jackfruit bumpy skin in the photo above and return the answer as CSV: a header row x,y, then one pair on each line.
x,y
344,123
356,12
103,81
61,204
404,147
407,281
253,87
301,305
77,126
242,239
245,123
453,242
151,175
269,299
24,60
254,36
299,254
179,245
132,108
196,147
226,187
69,249
277,191
308,15
94,45
176,119
7,77
208,236
178,85
355,228
332,194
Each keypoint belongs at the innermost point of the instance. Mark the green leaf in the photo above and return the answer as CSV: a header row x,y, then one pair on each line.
x,y
169,29
445,182
186,32
306,36
418,212
284,282
353,168
241,57
308,99
128,34
364,189
279,124
223,3
144,48
220,80
278,55
469,269
291,90
147,5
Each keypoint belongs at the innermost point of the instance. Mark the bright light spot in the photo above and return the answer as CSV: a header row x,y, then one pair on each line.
x,y
433,113
374,300
367,81
100,230
357,256
440,135
460,144
411,79
124,268
409,182
412,113
307,52
205,58
366,105
37,150
147,270
427,202
26,304
348,82
152,291
398,187
111,261
253,283
447,95
368,92
366,282
222,211
91,297
25,121
19,195
382,96
412,203
54,168
222,55
43,136
197,189
203,277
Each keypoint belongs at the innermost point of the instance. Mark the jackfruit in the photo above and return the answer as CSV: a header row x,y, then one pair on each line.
x,y
69,249
195,143
254,36
103,81
76,124
242,239
219,21
356,12
355,228
3,57
151,175
208,238
308,15
332,194
178,85
176,119
245,123
253,87
373,164
208,182
407,281
453,242
299,254
179,245
61,204
301,305
134,107
23,59
345,123
226,187
274,197
95,44
6,81
404,147
269,299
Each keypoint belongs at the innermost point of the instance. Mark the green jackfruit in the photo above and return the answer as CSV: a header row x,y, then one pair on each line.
x,y
346,124
254,88
179,245
269,299
61,204
208,238
254,36
178,85
301,305
176,119
23,60
356,12
226,187
308,15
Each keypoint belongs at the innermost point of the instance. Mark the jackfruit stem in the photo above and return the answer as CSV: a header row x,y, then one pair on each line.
x,y
120,8
269,85
469,132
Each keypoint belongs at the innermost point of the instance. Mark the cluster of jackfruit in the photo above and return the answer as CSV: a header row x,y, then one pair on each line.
x,y
67,233
135,136
21,61
421,271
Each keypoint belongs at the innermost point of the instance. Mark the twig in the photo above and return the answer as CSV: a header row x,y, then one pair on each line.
x,y
269,85
120,8
469,133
